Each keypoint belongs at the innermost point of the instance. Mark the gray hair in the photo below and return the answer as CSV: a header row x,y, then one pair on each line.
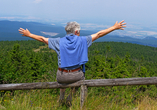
x,y
71,27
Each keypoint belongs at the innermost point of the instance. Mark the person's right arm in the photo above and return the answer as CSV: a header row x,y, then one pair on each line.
x,y
101,33
36,37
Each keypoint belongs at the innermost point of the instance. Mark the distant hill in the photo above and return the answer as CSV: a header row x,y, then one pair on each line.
x,y
149,41
9,31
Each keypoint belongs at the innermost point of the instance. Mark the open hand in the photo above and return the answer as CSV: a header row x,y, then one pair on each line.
x,y
119,25
24,32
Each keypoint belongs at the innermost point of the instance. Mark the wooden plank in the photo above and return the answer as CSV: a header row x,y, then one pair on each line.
x,y
83,95
38,85
121,82
89,83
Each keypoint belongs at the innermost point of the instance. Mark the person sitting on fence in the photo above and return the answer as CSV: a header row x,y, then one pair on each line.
x,y
72,51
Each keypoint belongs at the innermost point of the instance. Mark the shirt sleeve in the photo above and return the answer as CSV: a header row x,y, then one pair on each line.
x,y
53,43
89,40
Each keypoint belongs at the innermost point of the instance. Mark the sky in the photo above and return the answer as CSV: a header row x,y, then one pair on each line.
x,y
140,15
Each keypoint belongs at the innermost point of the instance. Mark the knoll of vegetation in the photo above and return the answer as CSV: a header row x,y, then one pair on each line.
x,y
19,63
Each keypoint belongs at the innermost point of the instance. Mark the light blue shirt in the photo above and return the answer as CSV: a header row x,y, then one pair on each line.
x,y
53,43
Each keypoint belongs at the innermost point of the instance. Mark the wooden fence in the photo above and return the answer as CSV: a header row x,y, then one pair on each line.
x,y
83,84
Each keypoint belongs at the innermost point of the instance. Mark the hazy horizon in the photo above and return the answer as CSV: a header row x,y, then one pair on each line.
x,y
91,14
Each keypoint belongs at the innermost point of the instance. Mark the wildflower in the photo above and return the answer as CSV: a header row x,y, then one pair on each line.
x,y
31,103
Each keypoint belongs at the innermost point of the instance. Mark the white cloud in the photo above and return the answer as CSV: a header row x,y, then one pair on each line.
x,y
132,32
49,33
91,26
149,33
37,1
26,18
7,18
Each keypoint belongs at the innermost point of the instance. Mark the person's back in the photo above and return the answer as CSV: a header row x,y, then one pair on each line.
x,y
72,52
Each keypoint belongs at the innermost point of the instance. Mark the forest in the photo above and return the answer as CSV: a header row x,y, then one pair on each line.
x,y
32,61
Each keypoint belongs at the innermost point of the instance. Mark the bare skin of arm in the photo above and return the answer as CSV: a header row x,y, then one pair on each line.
x,y
26,33
101,33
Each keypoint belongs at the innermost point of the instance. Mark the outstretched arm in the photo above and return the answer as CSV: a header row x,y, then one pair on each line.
x,y
36,37
101,33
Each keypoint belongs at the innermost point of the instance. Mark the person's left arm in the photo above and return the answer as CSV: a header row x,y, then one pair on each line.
x,y
101,33
27,33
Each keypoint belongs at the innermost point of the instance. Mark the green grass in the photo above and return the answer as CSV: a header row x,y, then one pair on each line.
x,y
45,100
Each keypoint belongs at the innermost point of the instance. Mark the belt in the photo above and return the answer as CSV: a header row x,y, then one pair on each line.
x,y
60,69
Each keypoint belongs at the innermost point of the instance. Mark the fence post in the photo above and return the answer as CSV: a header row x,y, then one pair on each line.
x,y
61,98
83,95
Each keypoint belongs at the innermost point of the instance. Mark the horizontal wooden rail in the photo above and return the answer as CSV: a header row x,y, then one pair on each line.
x,y
88,83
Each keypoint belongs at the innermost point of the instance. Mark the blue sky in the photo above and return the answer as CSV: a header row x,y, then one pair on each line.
x,y
140,15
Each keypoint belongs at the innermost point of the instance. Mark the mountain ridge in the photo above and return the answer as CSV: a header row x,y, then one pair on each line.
x,y
9,32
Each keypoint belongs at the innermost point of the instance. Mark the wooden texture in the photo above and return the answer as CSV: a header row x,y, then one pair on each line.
x,y
62,94
89,83
83,95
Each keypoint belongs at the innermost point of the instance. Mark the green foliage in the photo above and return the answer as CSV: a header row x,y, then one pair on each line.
x,y
117,65
107,60
23,65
